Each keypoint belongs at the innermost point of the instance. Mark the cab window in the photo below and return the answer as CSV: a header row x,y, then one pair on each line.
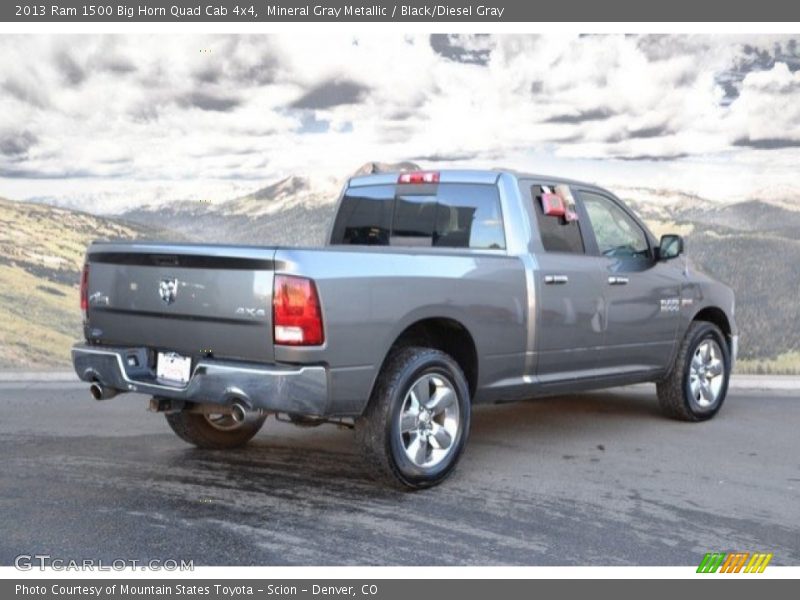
x,y
617,234
558,234
447,215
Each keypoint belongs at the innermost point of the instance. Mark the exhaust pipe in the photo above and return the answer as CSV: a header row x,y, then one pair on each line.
x,y
100,392
241,413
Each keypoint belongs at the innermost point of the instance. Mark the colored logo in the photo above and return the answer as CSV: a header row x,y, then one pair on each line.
x,y
734,562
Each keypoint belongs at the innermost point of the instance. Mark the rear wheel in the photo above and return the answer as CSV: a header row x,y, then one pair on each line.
x,y
417,421
213,431
698,383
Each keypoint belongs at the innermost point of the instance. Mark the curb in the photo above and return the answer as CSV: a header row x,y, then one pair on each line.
x,y
38,376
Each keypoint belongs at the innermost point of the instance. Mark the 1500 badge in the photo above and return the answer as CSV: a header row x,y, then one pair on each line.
x,y
670,304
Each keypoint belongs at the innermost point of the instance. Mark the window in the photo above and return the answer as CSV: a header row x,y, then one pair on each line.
x,y
414,219
447,215
468,216
617,234
558,235
365,216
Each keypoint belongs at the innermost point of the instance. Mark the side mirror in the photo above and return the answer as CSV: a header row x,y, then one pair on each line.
x,y
671,246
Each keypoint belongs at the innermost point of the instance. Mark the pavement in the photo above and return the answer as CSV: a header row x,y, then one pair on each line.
x,y
591,479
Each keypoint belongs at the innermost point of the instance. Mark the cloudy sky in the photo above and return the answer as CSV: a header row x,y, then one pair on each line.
x,y
106,122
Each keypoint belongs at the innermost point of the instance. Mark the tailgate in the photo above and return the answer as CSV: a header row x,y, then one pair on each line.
x,y
192,299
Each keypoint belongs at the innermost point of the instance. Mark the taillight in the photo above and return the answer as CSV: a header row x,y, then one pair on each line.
x,y
296,314
85,289
419,177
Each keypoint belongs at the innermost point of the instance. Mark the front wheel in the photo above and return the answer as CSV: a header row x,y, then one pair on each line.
x,y
698,383
416,424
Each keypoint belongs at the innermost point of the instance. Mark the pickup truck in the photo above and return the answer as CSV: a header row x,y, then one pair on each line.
x,y
436,290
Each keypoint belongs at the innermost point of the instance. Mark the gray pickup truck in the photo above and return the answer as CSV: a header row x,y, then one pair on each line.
x,y
437,290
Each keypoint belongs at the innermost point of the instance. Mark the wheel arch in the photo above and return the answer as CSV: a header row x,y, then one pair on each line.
x,y
447,334
717,316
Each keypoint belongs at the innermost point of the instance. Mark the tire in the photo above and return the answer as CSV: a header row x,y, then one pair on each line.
x,y
212,434
682,394
386,448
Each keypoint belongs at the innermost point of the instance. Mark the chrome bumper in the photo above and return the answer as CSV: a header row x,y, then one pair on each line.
x,y
288,389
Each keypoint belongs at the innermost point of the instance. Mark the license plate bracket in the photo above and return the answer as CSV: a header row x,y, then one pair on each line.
x,y
173,368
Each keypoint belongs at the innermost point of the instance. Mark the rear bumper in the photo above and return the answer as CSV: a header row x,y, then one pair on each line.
x,y
295,390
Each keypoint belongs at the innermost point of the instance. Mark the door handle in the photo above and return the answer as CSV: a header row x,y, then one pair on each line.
x,y
617,280
555,279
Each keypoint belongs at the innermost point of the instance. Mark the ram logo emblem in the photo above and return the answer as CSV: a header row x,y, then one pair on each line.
x,y
168,290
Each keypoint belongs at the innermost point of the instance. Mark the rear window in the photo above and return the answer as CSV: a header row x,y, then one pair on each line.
x,y
365,216
447,215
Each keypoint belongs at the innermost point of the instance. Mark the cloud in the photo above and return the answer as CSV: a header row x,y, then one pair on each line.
x,y
469,49
652,157
331,93
71,71
177,116
23,173
595,114
444,157
754,58
16,144
766,110
649,132
768,143
26,91
212,102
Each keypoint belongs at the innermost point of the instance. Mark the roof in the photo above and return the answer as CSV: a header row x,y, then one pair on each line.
x,y
478,176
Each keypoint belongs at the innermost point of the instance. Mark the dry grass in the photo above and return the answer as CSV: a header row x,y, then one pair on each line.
x,y
41,253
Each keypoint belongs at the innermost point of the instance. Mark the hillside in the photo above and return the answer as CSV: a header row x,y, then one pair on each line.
x,y
41,255
765,272
292,212
758,216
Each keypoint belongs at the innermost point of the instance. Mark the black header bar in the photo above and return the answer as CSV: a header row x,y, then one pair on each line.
x,y
245,11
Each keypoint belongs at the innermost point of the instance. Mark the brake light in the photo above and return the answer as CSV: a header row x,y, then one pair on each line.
x,y
85,289
419,177
296,313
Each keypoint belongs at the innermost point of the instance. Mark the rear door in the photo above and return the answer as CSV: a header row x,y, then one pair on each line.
x,y
569,327
642,295
194,300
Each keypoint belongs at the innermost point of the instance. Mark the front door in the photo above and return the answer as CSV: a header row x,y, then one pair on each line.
x,y
642,295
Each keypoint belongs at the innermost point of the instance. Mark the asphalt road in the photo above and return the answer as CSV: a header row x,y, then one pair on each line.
x,y
596,479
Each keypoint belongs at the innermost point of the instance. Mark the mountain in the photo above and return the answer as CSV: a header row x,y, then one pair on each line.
x,y
751,215
295,211
41,256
